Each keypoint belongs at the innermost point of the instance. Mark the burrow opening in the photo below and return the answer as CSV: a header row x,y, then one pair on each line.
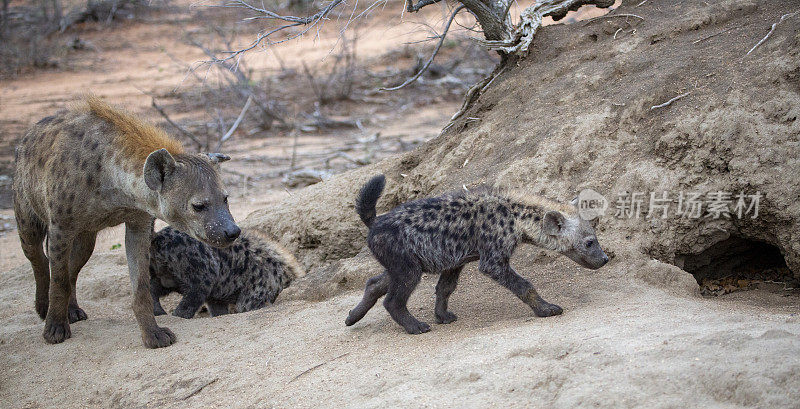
x,y
738,264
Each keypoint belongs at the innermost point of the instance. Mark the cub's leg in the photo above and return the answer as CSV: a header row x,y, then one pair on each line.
x,y
403,281
216,308
376,288
157,291
446,285
499,270
82,248
32,232
193,298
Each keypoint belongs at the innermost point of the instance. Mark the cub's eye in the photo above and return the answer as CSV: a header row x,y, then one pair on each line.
x,y
589,243
199,207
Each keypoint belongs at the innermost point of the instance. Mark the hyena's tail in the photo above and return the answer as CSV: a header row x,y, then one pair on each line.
x,y
368,198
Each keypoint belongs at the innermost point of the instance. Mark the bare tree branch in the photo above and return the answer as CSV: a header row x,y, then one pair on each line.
x,y
435,51
235,124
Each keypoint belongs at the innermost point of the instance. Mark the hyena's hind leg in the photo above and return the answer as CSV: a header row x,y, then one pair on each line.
x,y
403,281
446,285
32,232
376,288
82,248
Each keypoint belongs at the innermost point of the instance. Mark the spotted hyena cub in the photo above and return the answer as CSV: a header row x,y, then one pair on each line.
x,y
249,274
441,234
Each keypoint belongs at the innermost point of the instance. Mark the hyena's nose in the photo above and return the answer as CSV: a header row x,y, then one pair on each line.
x,y
232,233
605,259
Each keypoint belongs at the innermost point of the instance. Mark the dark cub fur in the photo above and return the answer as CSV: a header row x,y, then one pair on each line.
x,y
441,234
249,274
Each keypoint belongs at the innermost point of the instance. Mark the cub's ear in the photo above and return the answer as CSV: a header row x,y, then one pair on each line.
x,y
218,157
158,167
553,223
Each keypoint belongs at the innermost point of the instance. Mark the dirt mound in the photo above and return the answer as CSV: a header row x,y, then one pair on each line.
x,y
594,106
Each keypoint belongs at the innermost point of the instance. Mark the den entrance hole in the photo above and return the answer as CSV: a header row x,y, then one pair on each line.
x,y
739,264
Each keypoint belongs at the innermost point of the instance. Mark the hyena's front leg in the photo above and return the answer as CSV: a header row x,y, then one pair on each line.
x,y
137,248
499,270
56,327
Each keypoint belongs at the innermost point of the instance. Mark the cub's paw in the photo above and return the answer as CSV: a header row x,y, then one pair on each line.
x,y
183,313
56,333
446,318
159,337
417,328
545,309
76,314
158,310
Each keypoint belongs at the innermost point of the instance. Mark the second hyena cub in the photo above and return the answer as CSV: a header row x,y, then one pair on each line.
x,y
441,234
249,274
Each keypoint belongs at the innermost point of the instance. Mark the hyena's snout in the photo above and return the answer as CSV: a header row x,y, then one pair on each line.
x,y
223,231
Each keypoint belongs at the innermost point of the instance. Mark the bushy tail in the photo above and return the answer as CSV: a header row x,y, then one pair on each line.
x,y
368,198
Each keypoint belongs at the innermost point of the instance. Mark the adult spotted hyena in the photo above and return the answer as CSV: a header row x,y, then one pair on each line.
x,y
249,274
92,167
441,234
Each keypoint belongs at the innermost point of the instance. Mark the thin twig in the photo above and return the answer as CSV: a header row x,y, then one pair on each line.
x,y
611,16
670,101
317,366
433,55
235,124
713,35
196,391
775,24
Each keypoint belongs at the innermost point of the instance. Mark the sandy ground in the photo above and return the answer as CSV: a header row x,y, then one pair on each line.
x,y
620,343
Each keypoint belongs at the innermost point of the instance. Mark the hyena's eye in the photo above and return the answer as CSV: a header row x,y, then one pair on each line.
x,y
589,244
199,207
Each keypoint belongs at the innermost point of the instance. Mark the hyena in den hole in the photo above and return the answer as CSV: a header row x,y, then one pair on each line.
x,y
248,275
91,167
441,234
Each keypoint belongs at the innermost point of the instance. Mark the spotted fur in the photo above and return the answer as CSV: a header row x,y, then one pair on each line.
x,y
441,234
247,275
91,167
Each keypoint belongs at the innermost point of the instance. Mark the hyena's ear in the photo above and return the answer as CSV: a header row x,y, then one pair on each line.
x,y
553,223
218,157
157,168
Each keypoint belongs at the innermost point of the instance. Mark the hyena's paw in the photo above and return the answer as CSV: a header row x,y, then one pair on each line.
x,y
446,318
545,309
418,327
160,337
56,333
76,314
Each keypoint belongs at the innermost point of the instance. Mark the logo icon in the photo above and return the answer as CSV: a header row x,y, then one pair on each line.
x,y
591,204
